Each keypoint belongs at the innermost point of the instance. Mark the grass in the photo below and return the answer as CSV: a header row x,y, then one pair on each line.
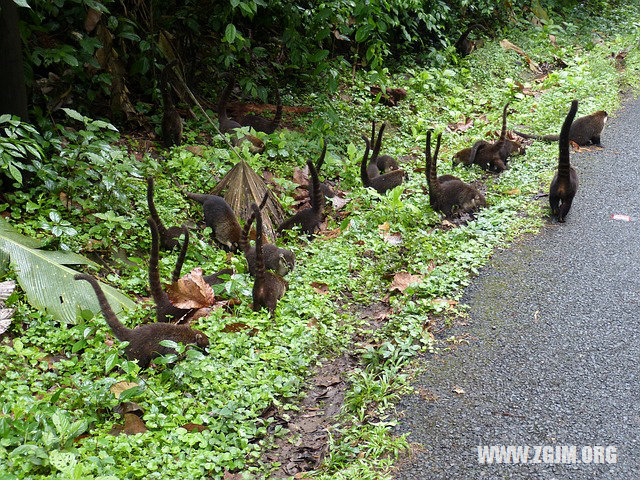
x,y
46,406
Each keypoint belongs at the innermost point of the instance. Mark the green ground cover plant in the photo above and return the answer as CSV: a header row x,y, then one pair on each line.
x,y
62,384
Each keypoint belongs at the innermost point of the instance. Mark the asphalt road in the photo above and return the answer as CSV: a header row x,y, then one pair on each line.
x,y
554,340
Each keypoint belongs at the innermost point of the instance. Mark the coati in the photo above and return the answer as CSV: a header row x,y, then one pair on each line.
x,y
168,237
228,125
165,310
449,194
310,218
565,182
171,120
277,259
372,166
218,215
385,163
268,287
584,130
144,340
261,124
464,156
381,183
463,45
494,156
326,190
213,279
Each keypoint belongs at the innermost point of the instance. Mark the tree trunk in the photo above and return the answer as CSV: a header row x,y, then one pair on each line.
x,y
13,91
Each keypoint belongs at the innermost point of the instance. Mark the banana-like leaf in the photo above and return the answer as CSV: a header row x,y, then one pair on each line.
x,y
48,282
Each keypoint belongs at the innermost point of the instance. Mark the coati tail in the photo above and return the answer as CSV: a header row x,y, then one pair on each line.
x,y
183,253
434,184
546,138
317,198
564,165
152,207
244,238
363,165
503,132
376,149
275,123
474,151
121,332
224,97
260,270
322,155
154,273
164,84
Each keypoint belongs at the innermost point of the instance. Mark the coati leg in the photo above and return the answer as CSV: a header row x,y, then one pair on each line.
x,y
554,201
564,209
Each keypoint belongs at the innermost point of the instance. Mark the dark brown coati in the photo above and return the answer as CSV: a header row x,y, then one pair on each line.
x,y
381,183
464,156
326,190
261,124
565,182
584,130
385,163
463,45
277,259
171,120
165,310
227,125
168,236
144,341
218,215
449,195
215,278
494,156
268,287
372,166
310,218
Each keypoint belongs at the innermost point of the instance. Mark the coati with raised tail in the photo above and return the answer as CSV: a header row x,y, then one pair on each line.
x,y
168,236
226,124
381,183
565,182
372,166
213,279
385,163
494,156
449,195
165,310
584,130
268,287
464,156
326,190
261,124
310,218
277,259
144,340
463,45
218,215
171,120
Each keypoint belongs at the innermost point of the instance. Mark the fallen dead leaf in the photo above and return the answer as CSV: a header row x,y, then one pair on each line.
x,y
239,327
118,388
552,39
339,203
402,280
461,126
458,390
393,238
384,227
329,234
321,288
133,424
191,291
196,150
194,427
515,191
301,176
507,45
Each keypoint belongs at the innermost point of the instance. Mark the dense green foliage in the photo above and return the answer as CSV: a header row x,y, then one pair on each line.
x,y
88,195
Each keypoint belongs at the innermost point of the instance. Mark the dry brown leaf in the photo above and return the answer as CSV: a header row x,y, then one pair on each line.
x,y
194,427
321,288
128,407
191,291
239,327
444,301
515,191
507,45
118,388
196,150
133,424
552,39
458,390
301,176
384,227
461,126
339,203
402,280
393,239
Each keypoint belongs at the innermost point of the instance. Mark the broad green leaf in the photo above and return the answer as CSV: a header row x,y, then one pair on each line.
x,y
73,114
230,33
48,282
21,3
